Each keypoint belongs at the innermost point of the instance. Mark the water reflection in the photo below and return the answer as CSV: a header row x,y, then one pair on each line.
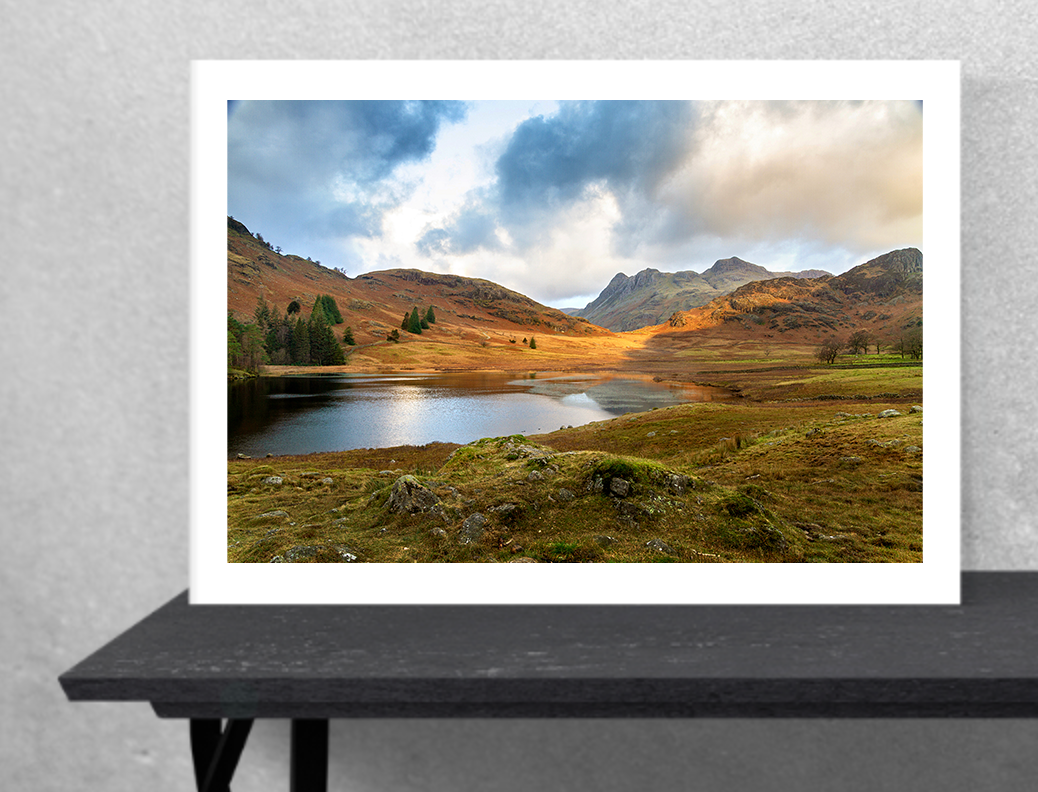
x,y
299,415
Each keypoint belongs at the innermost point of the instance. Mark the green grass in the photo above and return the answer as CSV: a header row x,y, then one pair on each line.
x,y
708,483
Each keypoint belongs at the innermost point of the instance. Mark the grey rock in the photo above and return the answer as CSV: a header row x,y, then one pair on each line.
x,y
890,414
915,408
912,449
566,495
524,560
651,434
271,515
273,480
472,528
619,487
327,480
660,546
441,511
345,553
301,553
304,552
408,495
508,512
850,460
603,540
677,483
630,513
535,475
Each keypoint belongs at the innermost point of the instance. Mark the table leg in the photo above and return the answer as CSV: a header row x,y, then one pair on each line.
x,y
309,761
216,751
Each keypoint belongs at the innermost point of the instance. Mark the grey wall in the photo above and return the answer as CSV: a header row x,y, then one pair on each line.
x,y
94,149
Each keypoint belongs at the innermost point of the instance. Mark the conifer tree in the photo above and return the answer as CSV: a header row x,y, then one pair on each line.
x,y
252,352
319,335
415,324
430,317
300,349
262,313
233,348
331,309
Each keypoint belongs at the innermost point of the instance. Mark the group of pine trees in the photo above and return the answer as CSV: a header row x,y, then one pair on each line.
x,y
416,323
284,339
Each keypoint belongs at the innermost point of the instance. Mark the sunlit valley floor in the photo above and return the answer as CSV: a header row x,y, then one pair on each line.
x,y
814,463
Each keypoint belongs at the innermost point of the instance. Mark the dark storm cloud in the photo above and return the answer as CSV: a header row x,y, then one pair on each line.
x,y
551,165
628,145
304,170
362,141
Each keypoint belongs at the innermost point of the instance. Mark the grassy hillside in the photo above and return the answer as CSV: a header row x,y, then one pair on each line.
x,y
703,483
802,468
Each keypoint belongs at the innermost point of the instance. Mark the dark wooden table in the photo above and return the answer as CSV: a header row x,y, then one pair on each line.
x,y
220,667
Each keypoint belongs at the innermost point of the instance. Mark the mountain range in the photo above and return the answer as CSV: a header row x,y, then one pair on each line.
x,y
883,296
651,296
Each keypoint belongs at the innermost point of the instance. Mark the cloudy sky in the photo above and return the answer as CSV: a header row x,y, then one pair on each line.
x,y
552,199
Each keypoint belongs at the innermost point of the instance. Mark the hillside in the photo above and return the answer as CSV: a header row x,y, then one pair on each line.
x,y
373,304
882,296
651,296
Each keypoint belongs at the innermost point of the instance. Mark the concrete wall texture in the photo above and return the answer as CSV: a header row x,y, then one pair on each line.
x,y
93,467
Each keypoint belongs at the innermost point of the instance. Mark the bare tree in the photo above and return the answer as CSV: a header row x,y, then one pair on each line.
x,y
859,342
829,349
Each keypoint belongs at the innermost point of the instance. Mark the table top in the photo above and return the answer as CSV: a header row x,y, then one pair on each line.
x,y
977,659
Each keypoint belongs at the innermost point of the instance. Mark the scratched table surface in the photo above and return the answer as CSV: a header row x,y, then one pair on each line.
x,y
977,659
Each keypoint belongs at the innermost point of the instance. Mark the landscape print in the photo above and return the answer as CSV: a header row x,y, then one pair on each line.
x,y
548,332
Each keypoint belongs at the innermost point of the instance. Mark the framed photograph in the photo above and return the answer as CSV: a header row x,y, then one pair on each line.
x,y
575,332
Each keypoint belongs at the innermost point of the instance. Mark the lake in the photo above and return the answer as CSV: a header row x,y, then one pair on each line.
x,y
301,415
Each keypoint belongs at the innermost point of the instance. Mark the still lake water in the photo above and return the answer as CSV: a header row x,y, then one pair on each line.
x,y
301,415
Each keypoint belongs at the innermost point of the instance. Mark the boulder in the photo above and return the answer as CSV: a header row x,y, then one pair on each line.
x,y
619,487
271,515
677,483
660,546
890,414
408,495
301,553
472,528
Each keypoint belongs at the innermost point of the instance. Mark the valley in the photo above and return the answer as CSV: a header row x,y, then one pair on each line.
x,y
811,461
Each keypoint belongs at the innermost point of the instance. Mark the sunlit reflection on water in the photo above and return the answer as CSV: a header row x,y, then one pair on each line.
x,y
299,415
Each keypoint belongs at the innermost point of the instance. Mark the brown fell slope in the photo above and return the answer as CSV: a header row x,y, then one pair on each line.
x,y
883,296
373,304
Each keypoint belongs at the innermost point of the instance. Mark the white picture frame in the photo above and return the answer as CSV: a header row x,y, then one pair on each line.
x,y
216,581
